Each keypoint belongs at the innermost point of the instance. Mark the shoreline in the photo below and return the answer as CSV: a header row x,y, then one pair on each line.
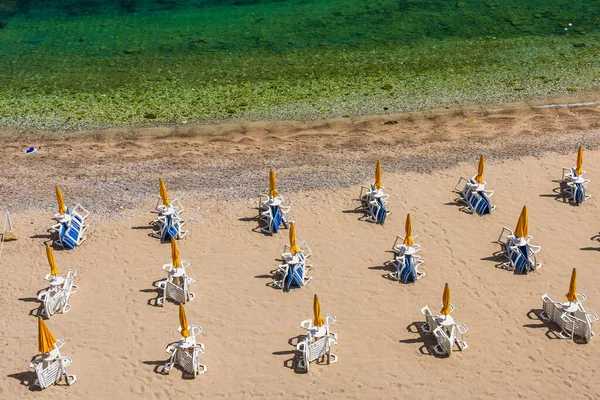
x,y
165,130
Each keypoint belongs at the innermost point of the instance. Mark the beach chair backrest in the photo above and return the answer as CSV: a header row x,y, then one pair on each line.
x,y
175,292
55,302
50,375
583,326
443,340
318,349
429,318
186,360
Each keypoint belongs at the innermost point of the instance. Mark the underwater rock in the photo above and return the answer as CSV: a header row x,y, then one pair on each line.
x,y
132,51
387,86
578,44
571,89
150,116
2,24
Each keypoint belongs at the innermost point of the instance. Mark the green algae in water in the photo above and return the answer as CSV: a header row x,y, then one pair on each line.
x,y
88,63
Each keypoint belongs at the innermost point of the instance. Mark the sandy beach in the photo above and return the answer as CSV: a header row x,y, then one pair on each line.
x,y
117,339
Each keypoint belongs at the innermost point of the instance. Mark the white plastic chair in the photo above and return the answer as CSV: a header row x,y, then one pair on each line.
x,y
51,367
471,197
369,202
510,249
55,299
187,357
578,323
265,213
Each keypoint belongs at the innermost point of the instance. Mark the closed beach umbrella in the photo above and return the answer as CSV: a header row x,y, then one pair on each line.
x,y
572,295
408,240
175,254
163,193
46,340
61,202
293,246
523,224
272,184
579,168
183,322
446,300
318,320
50,255
378,183
479,177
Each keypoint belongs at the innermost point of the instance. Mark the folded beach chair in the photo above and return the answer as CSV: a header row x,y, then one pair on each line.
x,y
573,184
168,224
446,332
187,351
293,272
55,299
176,288
516,246
407,268
473,195
273,213
318,340
71,227
373,200
50,366
571,316
521,254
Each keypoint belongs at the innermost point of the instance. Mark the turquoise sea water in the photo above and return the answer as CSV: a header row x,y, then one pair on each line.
x,y
91,63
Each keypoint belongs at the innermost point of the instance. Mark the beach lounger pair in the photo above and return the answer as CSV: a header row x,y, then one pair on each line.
x,y
574,186
51,367
406,261
71,227
168,224
273,213
186,353
177,285
56,298
374,203
571,317
475,198
293,273
521,254
317,343
448,335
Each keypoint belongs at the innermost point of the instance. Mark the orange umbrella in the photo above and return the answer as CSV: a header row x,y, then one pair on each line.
x,y
479,177
318,320
446,300
163,193
175,253
50,255
572,295
378,183
61,202
272,184
46,340
523,224
408,240
293,246
579,169
183,322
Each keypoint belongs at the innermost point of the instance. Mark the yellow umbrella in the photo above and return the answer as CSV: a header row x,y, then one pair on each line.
x,y
572,295
479,177
579,169
50,255
272,184
46,340
61,202
446,300
318,320
293,247
378,183
183,322
408,240
523,224
163,193
175,253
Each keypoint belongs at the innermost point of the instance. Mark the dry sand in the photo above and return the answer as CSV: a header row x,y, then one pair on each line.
x,y
116,339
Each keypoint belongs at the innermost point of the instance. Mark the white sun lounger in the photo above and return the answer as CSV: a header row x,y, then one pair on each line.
x,y
50,368
55,299
516,258
446,336
475,201
186,353
578,323
313,350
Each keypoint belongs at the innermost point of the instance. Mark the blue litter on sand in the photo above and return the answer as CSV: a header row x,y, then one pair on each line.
x,y
30,150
